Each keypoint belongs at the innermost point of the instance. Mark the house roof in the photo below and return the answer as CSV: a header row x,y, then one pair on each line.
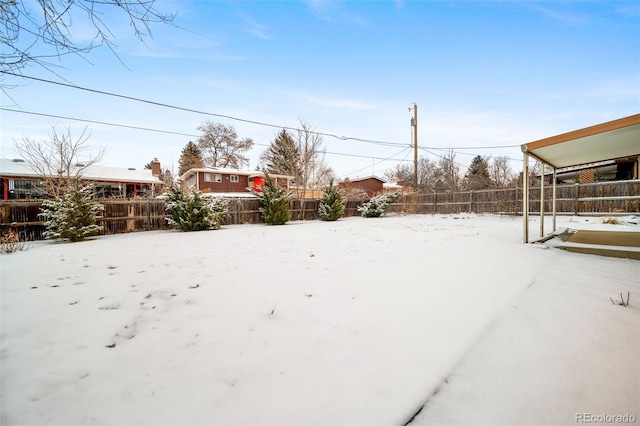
x,y
360,179
21,168
392,185
224,171
613,139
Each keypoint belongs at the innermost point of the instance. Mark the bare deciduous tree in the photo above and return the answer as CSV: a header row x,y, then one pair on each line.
x,y
324,176
61,159
309,143
427,174
449,173
500,172
38,32
221,147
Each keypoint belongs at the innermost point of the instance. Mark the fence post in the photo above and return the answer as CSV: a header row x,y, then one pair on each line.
x,y
471,201
149,215
576,202
435,201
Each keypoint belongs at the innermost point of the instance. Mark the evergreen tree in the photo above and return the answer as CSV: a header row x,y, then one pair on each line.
x,y
72,216
331,205
478,176
193,211
283,156
275,202
377,206
190,158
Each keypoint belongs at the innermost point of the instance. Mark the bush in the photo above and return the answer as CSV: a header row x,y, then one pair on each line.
x,y
10,243
377,206
193,211
331,205
275,202
73,216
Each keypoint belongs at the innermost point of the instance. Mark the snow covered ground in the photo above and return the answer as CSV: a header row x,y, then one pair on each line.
x,y
355,322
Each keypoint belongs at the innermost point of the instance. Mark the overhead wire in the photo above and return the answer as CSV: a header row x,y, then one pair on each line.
x,y
105,123
195,111
160,104
384,159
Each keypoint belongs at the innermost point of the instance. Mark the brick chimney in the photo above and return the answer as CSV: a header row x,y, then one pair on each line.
x,y
155,168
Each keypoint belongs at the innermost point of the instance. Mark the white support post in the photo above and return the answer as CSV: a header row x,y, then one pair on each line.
x,y
525,197
542,201
554,199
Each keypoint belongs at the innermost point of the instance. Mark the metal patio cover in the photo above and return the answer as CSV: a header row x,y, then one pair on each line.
x,y
607,141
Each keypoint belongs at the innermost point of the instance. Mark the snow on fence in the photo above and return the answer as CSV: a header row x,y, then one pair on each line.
x,y
121,216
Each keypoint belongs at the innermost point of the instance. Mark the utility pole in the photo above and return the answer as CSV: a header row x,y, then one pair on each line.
x,y
414,124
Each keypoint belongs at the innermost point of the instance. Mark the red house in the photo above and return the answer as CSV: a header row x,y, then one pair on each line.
x,y
372,185
228,181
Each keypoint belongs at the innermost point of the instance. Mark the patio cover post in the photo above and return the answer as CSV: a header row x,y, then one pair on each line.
x,y
525,197
554,199
606,141
542,201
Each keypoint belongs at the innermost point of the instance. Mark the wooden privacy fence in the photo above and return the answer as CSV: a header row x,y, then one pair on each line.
x,y
120,216
590,198
587,199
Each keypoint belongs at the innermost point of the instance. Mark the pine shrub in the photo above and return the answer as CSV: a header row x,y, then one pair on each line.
x,y
274,202
73,216
377,206
194,211
331,205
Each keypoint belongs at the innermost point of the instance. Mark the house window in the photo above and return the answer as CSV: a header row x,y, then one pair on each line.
x,y
27,188
234,178
212,177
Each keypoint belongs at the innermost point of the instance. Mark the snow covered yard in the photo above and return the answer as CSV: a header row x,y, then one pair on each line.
x,y
355,322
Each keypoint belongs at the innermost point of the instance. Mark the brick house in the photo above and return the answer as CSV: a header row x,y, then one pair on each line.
x,y
372,185
18,180
230,182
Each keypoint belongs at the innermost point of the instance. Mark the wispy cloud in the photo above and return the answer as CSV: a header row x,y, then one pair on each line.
x,y
567,17
631,11
335,102
334,12
255,28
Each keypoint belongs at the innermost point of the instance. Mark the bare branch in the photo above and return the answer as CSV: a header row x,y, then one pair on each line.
x,y
30,34
221,147
61,159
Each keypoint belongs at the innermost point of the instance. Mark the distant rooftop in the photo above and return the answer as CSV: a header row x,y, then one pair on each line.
x,y
21,168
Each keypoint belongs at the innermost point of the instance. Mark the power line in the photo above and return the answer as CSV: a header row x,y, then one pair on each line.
x,y
147,129
98,122
344,138
476,147
229,117
384,159
442,157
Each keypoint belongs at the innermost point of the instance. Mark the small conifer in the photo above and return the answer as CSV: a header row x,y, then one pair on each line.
x,y
331,205
275,202
377,206
72,216
193,211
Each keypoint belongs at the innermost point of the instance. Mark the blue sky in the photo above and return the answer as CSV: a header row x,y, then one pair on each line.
x,y
483,74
